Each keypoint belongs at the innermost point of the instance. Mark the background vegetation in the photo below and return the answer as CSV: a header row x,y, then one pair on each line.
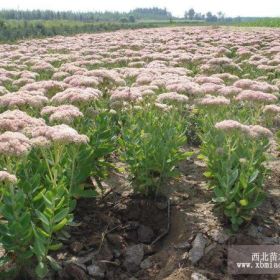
x,y
16,25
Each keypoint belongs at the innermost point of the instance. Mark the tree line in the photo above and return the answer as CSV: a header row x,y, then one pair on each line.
x,y
16,24
191,14
139,13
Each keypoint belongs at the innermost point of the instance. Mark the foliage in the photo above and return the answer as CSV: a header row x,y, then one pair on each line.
x,y
139,13
235,167
16,29
261,22
151,144
92,158
36,208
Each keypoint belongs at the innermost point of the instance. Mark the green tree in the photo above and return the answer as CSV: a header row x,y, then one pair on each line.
x,y
191,13
123,20
131,18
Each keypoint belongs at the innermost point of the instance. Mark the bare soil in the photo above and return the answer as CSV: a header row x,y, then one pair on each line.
x,y
108,228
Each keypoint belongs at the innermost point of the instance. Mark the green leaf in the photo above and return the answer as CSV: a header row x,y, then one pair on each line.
x,y
202,157
39,248
26,255
218,191
187,154
208,174
41,270
233,178
220,199
4,260
72,205
53,263
61,215
47,201
38,196
231,206
42,218
55,247
25,220
60,204
42,232
257,202
7,213
254,176
60,225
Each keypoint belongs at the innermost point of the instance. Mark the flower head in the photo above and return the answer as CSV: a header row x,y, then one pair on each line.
x,y
6,177
57,134
271,109
63,113
257,131
17,120
172,97
256,96
231,126
211,100
17,99
76,95
14,144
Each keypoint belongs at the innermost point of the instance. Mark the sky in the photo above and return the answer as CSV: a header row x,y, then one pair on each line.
x,y
177,7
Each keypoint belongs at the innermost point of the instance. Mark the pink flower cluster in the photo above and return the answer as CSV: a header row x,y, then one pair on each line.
x,y
76,96
81,81
211,100
16,120
172,97
14,144
271,109
253,131
23,98
256,96
6,177
256,86
62,134
64,113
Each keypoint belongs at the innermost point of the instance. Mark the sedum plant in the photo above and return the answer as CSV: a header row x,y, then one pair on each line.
x,y
235,156
38,205
92,159
89,116
151,145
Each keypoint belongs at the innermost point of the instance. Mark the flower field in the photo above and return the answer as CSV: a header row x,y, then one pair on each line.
x,y
130,147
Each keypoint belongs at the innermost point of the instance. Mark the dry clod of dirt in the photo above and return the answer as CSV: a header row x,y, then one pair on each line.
x,y
219,236
197,250
133,257
96,271
116,240
183,245
209,248
147,263
180,274
83,260
198,276
161,205
73,272
145,234
76,247
254,232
